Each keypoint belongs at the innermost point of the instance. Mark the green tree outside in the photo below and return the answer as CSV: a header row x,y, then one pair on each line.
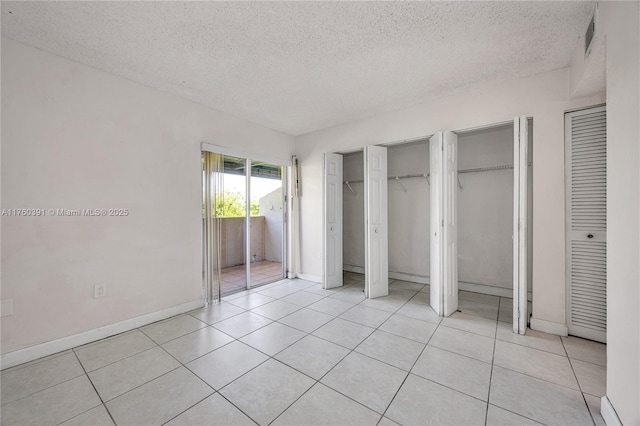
x,y
232,204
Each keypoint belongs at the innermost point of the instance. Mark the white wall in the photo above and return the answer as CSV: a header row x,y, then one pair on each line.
x,y
545,97
74,137
619,21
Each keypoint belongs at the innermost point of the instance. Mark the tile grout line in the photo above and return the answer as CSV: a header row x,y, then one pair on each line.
x,y
191,406
538,378
299,397
166,320
493,358
95,342
584,399
181,365
238,408
156,345
2,405
221,388
94,389
517,414
409,372
37,361
122,359
151,380
353,350
73,350
318,381
530,347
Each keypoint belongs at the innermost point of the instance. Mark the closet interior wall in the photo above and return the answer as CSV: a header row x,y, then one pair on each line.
x,y
408,201
485,210
353,213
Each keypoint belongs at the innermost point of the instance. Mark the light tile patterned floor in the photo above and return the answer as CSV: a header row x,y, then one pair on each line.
x,y
290,353
234,278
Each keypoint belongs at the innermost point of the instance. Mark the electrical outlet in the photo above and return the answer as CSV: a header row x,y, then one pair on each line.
x,y
6,308
99,290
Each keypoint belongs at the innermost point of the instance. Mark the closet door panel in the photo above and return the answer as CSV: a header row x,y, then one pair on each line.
x,y
332,221
376,222
450,228
435,173
520,220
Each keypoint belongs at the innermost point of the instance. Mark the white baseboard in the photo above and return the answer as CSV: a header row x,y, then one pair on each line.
x,y
549,327
309,277
420,279
49,348
485,289
353,268
609,413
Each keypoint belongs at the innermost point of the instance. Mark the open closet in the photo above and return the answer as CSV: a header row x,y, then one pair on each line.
x,y
485,210
407,209
353,213
408,196
374,212
459,208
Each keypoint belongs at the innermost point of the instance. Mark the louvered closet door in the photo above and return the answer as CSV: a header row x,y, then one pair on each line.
x,y
586,155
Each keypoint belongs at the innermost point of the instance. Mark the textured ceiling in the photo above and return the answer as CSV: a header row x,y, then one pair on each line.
x,y
302,66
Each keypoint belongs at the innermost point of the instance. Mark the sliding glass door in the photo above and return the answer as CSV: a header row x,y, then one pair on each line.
x,y
267,223
244,228
232,209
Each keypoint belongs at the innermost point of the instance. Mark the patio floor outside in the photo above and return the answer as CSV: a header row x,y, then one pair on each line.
x,y
263,272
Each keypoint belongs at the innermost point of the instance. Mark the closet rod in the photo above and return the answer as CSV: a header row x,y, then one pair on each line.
x,y
427,175
420,175
489,169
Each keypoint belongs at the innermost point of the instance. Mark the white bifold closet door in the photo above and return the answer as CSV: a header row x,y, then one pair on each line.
x,y
376,222
332,221
520,223
443,154
586,189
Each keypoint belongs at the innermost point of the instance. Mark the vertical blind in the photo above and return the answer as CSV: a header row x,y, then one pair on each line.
x,y
212,185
